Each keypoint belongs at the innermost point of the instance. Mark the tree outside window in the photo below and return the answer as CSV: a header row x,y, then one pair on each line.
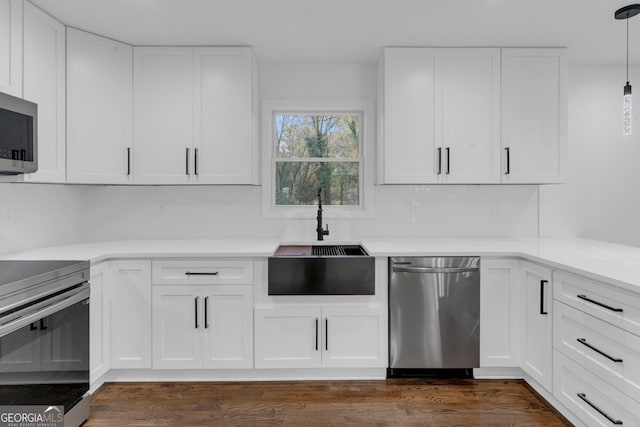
x,y
317,150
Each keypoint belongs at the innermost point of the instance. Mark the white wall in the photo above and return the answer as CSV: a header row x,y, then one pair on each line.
x,y
601,200
35,215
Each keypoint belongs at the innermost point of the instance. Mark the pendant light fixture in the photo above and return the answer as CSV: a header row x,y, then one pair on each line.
x,y
626,13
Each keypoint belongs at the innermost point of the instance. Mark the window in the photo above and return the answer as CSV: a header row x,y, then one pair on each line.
x,y
317,150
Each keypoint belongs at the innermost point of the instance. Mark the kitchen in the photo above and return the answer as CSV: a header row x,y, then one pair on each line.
x,y
313,73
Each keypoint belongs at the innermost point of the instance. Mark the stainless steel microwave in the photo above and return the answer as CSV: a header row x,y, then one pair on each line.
x,y
18,135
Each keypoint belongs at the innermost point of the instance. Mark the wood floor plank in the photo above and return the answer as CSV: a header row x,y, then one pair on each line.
x,y
419,402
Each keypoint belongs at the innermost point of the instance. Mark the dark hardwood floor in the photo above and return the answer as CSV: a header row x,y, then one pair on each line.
x,y
424,402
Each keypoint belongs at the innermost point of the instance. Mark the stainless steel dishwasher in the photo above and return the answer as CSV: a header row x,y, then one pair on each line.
x,y
434,314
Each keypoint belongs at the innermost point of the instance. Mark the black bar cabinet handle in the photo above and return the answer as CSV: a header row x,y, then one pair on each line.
x,y
597,350
448,161
42,325
206,312
326,333
439,160
542,310
33,327
195,305
508,160
195,161
128,160
600,411
201,273
608,307
187,161
316,334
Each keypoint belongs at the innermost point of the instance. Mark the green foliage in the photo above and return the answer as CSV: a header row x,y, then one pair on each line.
x,y
305,147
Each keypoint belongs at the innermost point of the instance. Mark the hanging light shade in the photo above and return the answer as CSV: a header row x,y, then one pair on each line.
x,y
626,13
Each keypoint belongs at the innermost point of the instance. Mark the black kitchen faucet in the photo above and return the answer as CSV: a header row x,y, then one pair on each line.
x,y
321,231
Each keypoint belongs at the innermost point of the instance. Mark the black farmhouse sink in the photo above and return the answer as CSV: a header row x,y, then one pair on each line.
x,y
321,270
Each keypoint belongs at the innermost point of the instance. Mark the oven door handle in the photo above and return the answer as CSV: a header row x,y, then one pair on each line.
x,y
17,320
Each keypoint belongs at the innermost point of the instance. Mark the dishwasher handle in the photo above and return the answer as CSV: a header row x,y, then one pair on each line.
x,y
406,269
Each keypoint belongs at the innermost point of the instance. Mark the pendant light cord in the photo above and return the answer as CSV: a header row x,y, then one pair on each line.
x,y
627,47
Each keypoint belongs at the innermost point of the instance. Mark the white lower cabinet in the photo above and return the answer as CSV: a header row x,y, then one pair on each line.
x,y
537,323
591,399
499,313
202,327
99,321
130,314
331,336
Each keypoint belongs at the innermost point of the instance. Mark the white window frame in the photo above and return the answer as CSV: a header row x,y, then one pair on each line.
x,y
270,108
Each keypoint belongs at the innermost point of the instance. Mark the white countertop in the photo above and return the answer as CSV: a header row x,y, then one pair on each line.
x,y
612,263
178,248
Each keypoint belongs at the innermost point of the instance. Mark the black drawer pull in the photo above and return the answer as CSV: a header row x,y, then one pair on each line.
x,y
608,307
316,334
542,310
326,333
508,154
195,309
201,273
600,411
586,344
206,312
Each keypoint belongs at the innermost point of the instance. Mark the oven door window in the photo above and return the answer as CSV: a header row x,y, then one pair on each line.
x,y
47,361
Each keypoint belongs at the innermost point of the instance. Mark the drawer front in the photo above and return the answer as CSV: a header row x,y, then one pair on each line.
x,y
609,303
592,400
606,350
202,272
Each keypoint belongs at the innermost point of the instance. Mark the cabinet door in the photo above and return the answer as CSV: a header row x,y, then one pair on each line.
x,y
354,336
99,104
163,116
177,327
225,151
287,337
499,313
130,312
471,115
412,122
228,327
11,47
534,114
44,84
99,321
537,327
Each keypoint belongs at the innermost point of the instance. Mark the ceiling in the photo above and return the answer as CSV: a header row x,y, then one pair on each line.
x,y
355,30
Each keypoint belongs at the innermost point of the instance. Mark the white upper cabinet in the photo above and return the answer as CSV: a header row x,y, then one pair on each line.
x,y
471,115
99,103
441,116
224,108
194,116
534,115
412,81
163,116
44,84
11,47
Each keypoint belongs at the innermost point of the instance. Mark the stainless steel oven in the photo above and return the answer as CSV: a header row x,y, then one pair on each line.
x,y
44,335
